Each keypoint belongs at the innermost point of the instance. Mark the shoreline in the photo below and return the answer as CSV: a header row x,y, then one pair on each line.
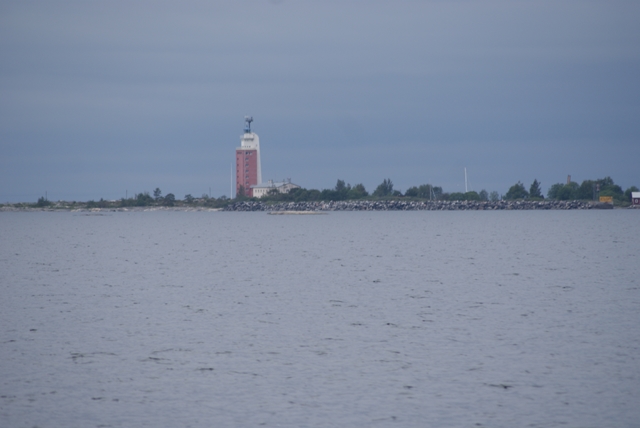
x,y
320,207
395,205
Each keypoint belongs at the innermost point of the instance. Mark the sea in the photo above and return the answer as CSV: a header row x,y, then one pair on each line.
x,y
343,319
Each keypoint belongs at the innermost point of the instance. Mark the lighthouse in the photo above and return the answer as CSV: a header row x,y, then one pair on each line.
x,y
248,170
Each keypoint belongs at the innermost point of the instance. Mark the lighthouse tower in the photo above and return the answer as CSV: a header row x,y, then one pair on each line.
x,y
248,170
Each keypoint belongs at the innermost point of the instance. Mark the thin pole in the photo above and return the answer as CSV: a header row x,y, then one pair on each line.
x,y
465,181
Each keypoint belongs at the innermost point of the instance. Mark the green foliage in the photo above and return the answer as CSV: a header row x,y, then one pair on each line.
x,y
618,196
123,203
534,190
424,191
563,192
588,190
412,192
339,193
144,200
241,194
627,193
42,202
344,191
609,188
517,191
384,189
468,196
437,192
169,200
569,191
357,192
554,190
471,196
100,204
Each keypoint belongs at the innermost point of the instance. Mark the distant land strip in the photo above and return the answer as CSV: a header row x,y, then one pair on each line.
x,y
394,205
359,205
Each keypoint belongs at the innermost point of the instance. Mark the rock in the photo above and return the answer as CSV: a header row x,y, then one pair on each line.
x,y
399,205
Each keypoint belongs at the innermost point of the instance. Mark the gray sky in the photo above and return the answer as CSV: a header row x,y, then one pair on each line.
x,y
100,98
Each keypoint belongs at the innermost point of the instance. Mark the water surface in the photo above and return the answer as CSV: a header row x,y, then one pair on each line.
x,y
409,319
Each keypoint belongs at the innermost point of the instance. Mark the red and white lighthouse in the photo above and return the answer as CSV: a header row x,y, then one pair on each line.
x,y
248,170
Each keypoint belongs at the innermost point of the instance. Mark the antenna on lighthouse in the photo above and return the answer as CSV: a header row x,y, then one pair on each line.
x,y
247,126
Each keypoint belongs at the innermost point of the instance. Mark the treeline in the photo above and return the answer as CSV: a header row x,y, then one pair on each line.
x,y
169,200
144,199
385,190
588,190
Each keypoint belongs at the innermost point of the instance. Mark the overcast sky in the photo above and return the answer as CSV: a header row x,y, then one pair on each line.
x,y
103,99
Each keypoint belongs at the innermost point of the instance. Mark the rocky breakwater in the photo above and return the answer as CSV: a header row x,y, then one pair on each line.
x,y
399,205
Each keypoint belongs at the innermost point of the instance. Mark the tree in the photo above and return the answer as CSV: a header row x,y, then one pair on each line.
x,y
517,191
494,196
357,192
563,192
471,196
437,192
169,200
42,202
188,199
143,199
587,190
606,187
534,190
424,191
341,186
341,191
456,196
554,190
241,193
157,194
627,193
468,196
412,192
484,196
384,189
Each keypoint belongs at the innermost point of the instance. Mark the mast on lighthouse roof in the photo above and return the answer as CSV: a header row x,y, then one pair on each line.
x,y
247,126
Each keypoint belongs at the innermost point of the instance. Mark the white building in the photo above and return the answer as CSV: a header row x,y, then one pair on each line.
x,y
635,199
263,189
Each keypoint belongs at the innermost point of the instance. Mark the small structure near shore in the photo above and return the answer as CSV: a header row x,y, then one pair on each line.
x,y
285,186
